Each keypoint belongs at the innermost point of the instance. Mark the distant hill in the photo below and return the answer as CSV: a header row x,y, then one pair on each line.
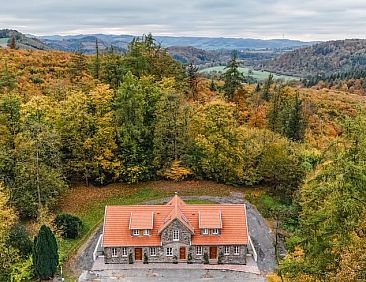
x,y
322,59
205,43
23,42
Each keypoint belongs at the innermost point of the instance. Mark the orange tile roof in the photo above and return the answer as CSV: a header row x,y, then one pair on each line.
x,y
117,221
141,220
209,219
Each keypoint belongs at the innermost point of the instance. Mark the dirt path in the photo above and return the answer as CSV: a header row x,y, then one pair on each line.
x,y
259,232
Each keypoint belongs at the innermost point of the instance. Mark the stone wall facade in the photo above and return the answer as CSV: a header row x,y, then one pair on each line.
x,y
161,257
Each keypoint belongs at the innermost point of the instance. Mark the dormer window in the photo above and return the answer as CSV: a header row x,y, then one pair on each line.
x,y
146,232
205,231
135,232
215,231
175,235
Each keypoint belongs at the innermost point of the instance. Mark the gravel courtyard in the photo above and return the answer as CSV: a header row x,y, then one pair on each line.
x,y
260,233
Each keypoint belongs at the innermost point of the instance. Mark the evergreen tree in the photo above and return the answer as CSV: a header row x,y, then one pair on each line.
x,y
45,254
78,66
95,67
266,94
233,78
112,69
295,129
13,44
192,72
212,85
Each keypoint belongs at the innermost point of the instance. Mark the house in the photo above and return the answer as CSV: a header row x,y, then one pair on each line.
x,y
176,232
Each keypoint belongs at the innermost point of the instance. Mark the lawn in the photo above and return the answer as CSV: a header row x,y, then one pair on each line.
x,y
88,203
259,75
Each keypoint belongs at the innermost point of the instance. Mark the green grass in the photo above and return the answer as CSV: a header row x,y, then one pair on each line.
x,y
259,75
4,42
92,216
199,202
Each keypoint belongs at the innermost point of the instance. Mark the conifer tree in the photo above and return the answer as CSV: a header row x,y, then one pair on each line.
x,y
96,61
7,80
45,254
266,95
233,78
192,72
212,85
13,44
296,125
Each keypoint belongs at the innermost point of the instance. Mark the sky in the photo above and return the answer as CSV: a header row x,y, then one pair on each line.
x,y
265,19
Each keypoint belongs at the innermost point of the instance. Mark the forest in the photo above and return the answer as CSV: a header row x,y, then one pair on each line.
x,y
68,118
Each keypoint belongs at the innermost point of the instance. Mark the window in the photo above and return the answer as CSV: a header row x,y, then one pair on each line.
x,y
146,232
199,250
176,235
215,231
169,252
226,250
124,252
205,231
114,252
236,250
153,252
135,232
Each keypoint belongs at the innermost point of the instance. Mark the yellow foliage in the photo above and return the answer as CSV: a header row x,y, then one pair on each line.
x,y
176,171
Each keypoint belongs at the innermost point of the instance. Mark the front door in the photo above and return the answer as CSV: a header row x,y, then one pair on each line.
x,y
213,252
182,253
138,254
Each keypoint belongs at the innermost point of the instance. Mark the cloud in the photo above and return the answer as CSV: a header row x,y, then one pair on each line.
x,y
306,19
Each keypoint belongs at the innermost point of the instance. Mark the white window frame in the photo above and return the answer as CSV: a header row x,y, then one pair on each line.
x,y
199,250
236,250
226,250
169,251
153,252
124,252
215,231
205,231
114,253
175,235
135,232
146,232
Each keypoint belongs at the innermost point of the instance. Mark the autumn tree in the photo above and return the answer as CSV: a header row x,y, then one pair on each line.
x,y
78,66
13,44
233,78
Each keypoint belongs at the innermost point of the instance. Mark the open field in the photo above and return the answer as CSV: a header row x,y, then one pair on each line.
x,y
259,75
4,42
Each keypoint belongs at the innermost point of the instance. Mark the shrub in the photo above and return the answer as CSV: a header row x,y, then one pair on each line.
x,y
205,258
69,225
220,257
130,258
189,258
175,260
146,259
19,239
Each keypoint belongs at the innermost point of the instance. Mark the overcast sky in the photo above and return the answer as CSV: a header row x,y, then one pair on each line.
x,y
297,19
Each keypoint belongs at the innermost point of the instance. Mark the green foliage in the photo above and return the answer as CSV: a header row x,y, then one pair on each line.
x,y
332,206
146,259
212,86
193,79
233,78
22,271
19,239
266,92
78,66
45,254
189,258
69,225
205,258
7,80
220,258
130,258
170,130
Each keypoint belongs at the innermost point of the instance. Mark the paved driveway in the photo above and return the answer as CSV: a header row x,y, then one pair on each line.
x,y
176,275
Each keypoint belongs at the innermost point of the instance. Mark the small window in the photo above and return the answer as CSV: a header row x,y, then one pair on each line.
x,y
236,250
124,252
153,252
176,235
114,252
169,252
135,232
199,250
215,231
226,250
146,232
205,231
